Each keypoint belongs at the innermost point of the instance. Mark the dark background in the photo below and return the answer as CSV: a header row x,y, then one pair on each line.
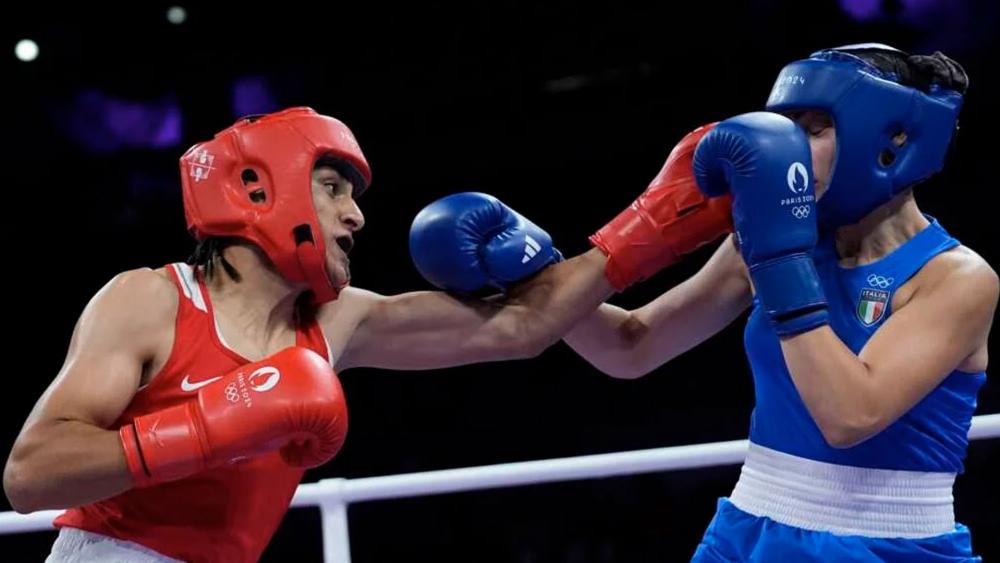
x,y
564,112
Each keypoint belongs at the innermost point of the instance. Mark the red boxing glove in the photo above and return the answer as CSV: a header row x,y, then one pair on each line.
x,y
670,219
291,402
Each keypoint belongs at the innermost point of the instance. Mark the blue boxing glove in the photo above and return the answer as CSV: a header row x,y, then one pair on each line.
x,y
763,159
470,241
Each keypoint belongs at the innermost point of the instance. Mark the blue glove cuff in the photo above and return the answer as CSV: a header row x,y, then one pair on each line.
x,y
790,292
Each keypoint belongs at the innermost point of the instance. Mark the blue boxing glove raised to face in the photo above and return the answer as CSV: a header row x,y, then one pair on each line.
x,y
764,160
470,241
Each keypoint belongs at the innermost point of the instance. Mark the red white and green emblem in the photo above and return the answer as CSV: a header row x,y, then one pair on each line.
x,y
872,305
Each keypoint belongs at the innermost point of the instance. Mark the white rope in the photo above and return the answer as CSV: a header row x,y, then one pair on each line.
x,y
332,491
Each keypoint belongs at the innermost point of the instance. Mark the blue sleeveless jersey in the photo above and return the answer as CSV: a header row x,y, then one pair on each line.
x,y
932,436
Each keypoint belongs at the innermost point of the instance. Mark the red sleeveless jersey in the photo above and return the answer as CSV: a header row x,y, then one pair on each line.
x,y
224,514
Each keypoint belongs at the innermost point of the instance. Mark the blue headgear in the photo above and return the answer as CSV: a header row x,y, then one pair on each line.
x,y
869,107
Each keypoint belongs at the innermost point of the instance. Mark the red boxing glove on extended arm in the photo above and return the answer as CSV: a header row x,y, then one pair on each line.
x,y
670,219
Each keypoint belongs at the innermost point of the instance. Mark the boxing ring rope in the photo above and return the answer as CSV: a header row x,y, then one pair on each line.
x,y
333,495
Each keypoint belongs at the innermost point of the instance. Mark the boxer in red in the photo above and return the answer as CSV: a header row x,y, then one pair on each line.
x,y
193,397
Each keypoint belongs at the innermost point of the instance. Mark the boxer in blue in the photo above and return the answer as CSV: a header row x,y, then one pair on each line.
x,y
868,329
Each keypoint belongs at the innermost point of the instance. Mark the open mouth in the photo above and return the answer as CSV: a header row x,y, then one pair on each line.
x,y
345,243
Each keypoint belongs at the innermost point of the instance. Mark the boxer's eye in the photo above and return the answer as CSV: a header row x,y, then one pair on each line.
x,y
337,188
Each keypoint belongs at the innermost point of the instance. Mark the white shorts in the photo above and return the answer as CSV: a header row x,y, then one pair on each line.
x,y
80,546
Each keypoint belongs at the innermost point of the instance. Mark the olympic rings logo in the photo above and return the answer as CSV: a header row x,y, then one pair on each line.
x,y
800,211
232,393
878,281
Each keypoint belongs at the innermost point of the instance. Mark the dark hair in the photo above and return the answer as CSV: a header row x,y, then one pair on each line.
x,y
209,251
916,71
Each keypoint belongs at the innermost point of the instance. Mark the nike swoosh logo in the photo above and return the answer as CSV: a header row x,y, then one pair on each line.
x,y
186,385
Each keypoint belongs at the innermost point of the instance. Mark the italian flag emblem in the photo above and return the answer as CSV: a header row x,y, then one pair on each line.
x,y
872,305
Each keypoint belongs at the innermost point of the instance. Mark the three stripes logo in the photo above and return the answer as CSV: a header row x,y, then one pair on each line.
x,y
531,248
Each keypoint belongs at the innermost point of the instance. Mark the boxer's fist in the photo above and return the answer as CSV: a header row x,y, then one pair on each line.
x,y
468,241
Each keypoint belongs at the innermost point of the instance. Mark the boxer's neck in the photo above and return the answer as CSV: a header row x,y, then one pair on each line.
x,y
880,232
262,299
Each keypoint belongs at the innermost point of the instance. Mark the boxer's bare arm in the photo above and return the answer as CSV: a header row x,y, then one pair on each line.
x,y
430,329
68,452
629,344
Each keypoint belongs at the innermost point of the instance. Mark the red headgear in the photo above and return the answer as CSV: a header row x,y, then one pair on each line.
x,y
254,181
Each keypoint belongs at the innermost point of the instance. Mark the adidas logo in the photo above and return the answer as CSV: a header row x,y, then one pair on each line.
x,y
531,248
